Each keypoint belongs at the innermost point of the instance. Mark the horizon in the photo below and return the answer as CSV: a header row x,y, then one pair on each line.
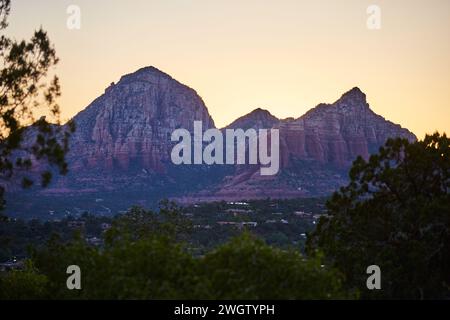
x,y
238,57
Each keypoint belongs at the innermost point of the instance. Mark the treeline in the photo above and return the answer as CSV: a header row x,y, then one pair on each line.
x,y
394,213
145,256
16,235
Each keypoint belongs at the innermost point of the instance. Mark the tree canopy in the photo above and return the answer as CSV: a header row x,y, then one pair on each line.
x,y
155,263
394,213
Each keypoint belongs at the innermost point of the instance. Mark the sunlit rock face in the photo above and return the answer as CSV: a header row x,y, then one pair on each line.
x,y
337,133
121,149
316,150
131,123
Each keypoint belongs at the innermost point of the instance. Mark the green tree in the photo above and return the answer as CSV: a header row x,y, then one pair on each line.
x,y
156,265
26,88
23,284
153,267
394,213
138,223
247,268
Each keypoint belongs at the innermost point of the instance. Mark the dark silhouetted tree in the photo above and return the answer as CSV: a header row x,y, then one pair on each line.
x,y
27,88
394,213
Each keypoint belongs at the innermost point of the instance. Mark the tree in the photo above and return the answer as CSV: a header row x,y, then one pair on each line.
x,y
23,284
394,213
247,268
138,223
27,88
155,265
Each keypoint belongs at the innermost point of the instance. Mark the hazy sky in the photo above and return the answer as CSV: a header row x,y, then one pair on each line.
x,y
285,56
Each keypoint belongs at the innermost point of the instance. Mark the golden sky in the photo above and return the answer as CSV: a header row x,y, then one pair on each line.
x,y
285,56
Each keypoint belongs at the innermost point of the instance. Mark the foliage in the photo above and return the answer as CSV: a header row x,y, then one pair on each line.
x,y
139,223
153,264
395,213
247,268
197,225
24,284
25,88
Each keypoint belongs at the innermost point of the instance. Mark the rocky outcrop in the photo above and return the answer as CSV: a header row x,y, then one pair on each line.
x,y
131,123
316,150
120,152
337,133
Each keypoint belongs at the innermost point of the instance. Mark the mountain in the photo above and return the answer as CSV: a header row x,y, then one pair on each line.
x,y
316,150
120,154
131,123
337,133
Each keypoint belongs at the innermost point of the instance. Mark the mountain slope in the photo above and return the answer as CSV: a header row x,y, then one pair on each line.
x,y
131,123
120,154
337,133
316,151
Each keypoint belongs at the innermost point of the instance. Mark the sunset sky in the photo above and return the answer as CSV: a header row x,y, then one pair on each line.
x,y
284,56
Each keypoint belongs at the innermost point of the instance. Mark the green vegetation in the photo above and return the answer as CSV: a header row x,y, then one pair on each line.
x,y
203,230
144,257
395,213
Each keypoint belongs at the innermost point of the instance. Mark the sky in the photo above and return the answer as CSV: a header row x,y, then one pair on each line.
x,y
285,56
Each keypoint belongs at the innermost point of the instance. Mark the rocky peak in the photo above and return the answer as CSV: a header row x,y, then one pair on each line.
x,y
121,149
354,94
146,74
131,123
351,103
257,119
339,132
352,100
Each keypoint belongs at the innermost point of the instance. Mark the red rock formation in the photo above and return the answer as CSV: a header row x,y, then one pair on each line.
x,y
315,150
130,126
131,123
122,147
337,133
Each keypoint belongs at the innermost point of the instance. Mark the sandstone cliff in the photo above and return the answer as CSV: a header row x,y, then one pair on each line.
x,y
120,152
131,123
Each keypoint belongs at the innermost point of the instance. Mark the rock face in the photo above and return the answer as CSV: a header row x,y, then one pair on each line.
x,y
316,150
337,133
131,123
120,153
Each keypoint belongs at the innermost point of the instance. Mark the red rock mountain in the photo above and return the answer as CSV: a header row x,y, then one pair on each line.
x,y
120,153
257,119
131,123
337,133
316,150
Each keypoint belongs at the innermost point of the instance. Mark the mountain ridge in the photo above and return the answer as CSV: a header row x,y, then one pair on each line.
x,y
121,148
